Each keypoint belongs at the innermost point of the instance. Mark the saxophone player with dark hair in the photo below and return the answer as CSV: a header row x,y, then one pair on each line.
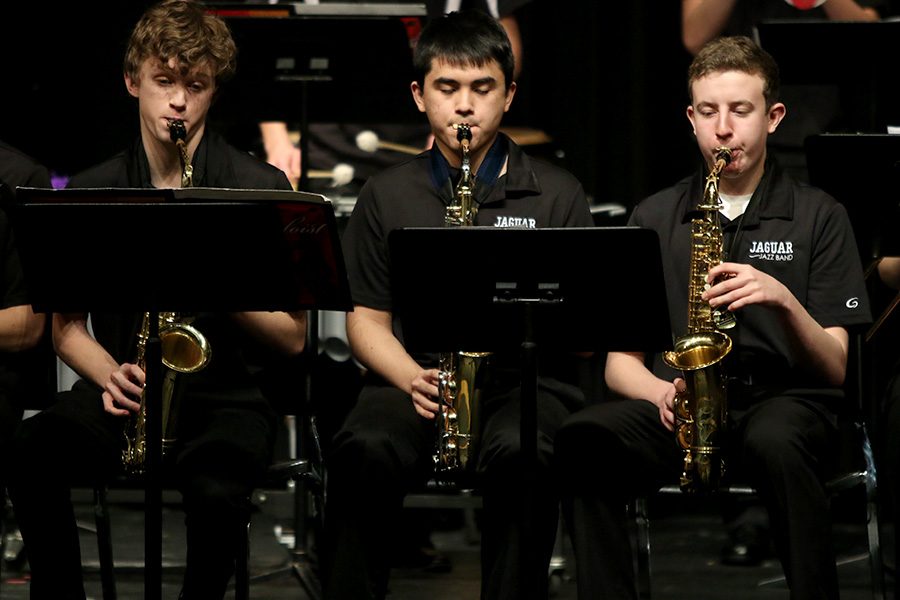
x,y
177,59
385,445
790,274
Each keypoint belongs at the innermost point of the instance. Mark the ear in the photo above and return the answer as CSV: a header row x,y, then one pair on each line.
x,y
133,86
509,96
417,95
690,115
777,112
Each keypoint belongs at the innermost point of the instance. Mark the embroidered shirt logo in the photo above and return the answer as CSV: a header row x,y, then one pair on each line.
x,y
771,250
525,222
852,303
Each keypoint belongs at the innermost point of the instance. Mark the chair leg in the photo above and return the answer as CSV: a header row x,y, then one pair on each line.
x,y
642,521
104,544
873,535
242,564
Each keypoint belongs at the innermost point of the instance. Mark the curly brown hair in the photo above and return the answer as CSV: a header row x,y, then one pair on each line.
x,y
736,53
183,30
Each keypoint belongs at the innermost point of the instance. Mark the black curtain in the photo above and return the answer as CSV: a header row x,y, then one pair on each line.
x,y
607,81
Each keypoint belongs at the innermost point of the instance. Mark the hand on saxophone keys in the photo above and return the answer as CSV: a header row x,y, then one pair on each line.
x,y
736,285
122,392
424,391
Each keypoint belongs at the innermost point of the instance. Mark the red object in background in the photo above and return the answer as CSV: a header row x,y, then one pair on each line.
x,y
805,4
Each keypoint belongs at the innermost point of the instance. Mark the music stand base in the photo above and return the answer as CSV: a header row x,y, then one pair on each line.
x,y
301,568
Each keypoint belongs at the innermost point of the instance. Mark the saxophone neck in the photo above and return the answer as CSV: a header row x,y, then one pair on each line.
x,y
178,133
462,210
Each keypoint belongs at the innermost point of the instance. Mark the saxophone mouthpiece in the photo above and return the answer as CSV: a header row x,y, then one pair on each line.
x,y
463,132
723,153
177,130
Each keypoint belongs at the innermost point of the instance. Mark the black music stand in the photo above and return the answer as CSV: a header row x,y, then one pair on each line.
x,y
862,172
335,49
197,249
525,289
857,57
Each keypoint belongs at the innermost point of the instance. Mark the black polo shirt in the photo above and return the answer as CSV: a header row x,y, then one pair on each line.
x,y
24,375
217,164
791,231
531,194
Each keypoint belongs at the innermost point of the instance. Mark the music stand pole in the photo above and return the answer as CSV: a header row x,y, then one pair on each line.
x,y
524,293
528,439
153,461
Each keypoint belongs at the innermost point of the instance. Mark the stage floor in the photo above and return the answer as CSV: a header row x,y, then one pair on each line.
x,y
686,540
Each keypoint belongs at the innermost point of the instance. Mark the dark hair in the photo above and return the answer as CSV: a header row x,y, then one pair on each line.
x,y
183,30
736,53
466,38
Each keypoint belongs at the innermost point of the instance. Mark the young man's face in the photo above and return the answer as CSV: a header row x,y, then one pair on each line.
x,y
451,95
729,109
164,94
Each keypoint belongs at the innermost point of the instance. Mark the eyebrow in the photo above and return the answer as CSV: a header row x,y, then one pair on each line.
x,y
736,103
477,82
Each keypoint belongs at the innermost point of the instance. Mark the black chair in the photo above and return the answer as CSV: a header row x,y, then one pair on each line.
x,y
865,476
862,475
300,471
302,474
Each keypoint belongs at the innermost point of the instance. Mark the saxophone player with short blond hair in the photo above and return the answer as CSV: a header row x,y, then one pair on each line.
x,y
790,273
178,57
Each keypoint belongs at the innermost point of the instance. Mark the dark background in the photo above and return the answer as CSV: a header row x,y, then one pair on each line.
x,y
606,80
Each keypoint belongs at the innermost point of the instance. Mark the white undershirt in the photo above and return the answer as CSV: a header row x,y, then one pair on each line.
x,y
734,206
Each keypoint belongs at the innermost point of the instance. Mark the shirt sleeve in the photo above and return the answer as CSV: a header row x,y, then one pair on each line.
x,y
366,253
837,291
12,292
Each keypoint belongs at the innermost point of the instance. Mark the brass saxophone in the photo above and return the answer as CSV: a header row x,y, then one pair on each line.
x,y
178,133
461,373
184,350
701,410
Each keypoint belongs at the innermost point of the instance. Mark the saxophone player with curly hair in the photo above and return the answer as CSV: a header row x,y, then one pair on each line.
x,y
177,59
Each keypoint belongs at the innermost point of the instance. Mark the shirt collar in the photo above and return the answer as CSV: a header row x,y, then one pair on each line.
x,y
139,167
518,180
772,199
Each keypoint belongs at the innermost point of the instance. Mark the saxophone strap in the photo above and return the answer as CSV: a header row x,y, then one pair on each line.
x,y
443,177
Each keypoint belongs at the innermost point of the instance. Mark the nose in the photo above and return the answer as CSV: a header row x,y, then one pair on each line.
x,y
723,126
464,102
178,96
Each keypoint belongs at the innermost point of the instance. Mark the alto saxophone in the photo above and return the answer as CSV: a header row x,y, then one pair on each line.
x,y
184,350
460,373
701,410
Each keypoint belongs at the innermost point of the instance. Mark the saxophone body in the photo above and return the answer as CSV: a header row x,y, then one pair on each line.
x,y
460,373
702,409
184,350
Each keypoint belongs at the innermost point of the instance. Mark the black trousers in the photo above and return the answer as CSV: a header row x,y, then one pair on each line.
x,y
75,442
892,458
384,450
611,452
